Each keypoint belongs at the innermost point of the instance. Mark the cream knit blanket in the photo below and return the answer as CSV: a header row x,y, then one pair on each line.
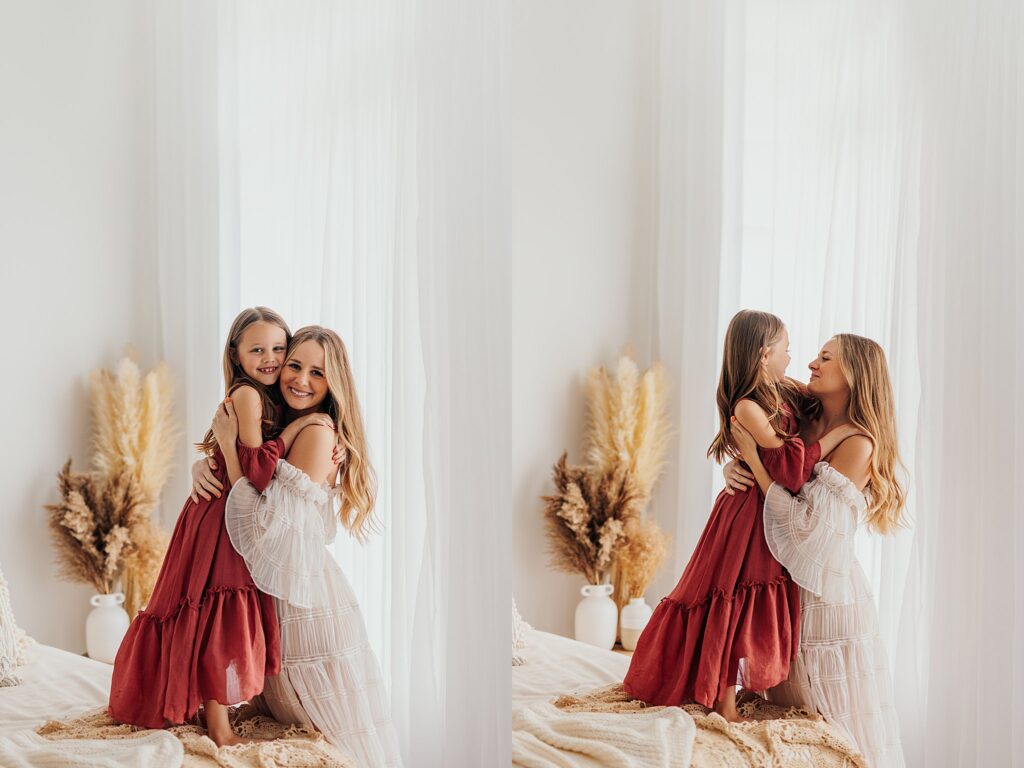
x,y
777,737
545,735
279,745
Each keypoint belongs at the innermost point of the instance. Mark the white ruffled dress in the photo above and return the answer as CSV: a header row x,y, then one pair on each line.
x,y
330,677
841,670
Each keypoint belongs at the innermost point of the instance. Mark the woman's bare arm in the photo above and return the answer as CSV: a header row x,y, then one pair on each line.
x,y
313,451
853,460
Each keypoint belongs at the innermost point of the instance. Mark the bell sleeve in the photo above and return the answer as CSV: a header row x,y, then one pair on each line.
x,y
280,533
812,533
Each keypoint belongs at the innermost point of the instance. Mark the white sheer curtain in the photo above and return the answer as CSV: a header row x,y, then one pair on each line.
x,y
185,113
960,668
354,185
864,170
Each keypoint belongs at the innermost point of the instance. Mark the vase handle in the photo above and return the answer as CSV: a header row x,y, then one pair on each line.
x,y
96,600
118,598
597,590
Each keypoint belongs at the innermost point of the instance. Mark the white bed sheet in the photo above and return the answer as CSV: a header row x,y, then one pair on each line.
x,y
56,684
556,665
546,737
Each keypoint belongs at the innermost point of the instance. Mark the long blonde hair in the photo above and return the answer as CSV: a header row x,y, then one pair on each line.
x,y
358,480
235,377
749,334
862,362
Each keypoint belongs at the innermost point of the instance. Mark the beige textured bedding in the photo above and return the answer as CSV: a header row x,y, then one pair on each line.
x,y
277,745
578,678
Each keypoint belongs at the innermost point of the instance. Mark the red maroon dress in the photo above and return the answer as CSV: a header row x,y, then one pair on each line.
x,y
207,632
734,602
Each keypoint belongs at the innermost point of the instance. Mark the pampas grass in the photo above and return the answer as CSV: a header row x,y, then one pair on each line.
x,y
595,521
89,526
642,552
103,527
627,423
134,434
587,517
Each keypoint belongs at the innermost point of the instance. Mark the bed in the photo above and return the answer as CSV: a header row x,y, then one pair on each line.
x,y
57,684
569,711
56,718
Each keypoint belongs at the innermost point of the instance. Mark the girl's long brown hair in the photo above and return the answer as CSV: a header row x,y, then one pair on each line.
x,y
872,410
358,480
749,334
235,377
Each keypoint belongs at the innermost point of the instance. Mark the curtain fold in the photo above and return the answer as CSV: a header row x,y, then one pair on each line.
x,y
464,665
960,672
187,219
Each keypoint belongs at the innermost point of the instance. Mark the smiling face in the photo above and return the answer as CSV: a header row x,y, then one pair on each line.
x,y
260,352
826,374
775,359
303,380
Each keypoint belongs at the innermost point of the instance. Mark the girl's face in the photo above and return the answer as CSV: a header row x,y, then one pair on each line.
x,y
775,359
303,383
261,352
826,375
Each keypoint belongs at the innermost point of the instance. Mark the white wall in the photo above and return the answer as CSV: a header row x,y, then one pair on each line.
x,y
76,254
576,157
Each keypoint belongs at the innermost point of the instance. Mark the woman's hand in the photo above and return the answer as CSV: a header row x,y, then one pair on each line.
x,y
225,425
743,440
737,479
204,482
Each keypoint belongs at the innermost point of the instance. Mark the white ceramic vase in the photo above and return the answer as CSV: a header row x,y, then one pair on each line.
x,y
596,616
105,627
634,618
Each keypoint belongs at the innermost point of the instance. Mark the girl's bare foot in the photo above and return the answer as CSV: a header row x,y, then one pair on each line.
x,y
229,739
219,727
726,707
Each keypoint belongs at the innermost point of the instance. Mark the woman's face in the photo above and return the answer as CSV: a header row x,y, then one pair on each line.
x,y
776,358
303,383
261,352
826,376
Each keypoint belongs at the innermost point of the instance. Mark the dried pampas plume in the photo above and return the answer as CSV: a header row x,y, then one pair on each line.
x,y
587,517
642,552
627,423
134,434
88,526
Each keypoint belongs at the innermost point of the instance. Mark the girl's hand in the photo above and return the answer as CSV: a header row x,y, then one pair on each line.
x,y
737,478
743,440
340,455
317,419
225,425
204,482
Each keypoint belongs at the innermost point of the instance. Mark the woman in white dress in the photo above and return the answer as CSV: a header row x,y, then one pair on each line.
x,y
841,670
330,677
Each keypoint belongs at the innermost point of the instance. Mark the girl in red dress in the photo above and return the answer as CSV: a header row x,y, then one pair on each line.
x,y
734,616
208,635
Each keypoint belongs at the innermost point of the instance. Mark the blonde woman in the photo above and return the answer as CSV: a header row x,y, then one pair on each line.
x,y
330,677
841,670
